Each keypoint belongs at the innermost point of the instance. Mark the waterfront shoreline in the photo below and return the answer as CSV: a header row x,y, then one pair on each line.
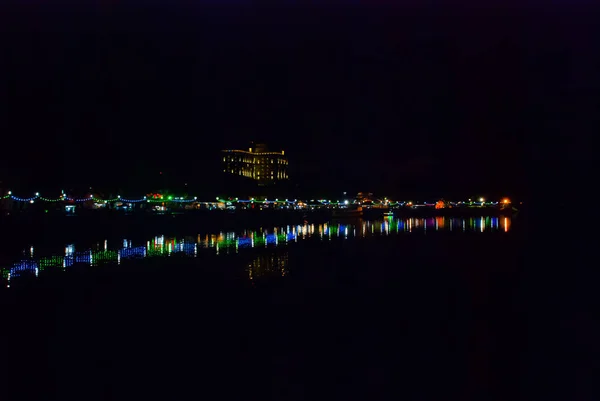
x,y
246,213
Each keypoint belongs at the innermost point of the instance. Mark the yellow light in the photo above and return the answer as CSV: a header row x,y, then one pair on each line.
x,y
481,200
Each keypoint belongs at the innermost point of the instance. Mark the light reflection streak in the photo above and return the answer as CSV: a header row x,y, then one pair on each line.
x,y
267,265
225,242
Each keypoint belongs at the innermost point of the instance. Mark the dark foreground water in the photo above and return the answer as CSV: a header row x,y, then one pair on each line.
x,y
418,309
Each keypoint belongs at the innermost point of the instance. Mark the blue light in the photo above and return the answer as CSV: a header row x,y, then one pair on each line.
x,y
23,199
83,257
68,261
133,200
136,252
23,266
271,239
188,248
244,242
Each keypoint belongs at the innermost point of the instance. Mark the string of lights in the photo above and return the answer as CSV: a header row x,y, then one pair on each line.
x,y
230,201
92,198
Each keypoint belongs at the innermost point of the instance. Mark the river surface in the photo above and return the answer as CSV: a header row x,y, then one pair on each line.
x,y
409,308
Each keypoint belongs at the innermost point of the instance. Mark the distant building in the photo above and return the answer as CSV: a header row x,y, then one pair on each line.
x,y
364,197
256,163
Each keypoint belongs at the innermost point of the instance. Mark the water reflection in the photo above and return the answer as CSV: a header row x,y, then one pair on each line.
x,y
268,265
235,242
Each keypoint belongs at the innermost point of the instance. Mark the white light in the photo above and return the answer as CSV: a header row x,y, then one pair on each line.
x,y
346,202
37,194
10,192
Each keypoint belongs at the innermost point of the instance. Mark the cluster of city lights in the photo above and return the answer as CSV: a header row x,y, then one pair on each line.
x,y
180,199
92,198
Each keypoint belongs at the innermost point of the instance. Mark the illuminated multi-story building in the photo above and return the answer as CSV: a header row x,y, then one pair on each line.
x,y
256,163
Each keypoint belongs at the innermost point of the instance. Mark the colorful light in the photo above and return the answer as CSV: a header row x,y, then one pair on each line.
x,y
153,198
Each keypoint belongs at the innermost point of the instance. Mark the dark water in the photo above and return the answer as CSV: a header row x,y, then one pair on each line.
x,y
418,309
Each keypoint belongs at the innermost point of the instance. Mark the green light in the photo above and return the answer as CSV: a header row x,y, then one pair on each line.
x,y
170,197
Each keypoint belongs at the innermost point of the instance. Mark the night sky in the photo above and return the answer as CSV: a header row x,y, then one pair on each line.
x,y
406,100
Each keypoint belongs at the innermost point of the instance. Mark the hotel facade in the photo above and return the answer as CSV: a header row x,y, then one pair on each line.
x,y
257,163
